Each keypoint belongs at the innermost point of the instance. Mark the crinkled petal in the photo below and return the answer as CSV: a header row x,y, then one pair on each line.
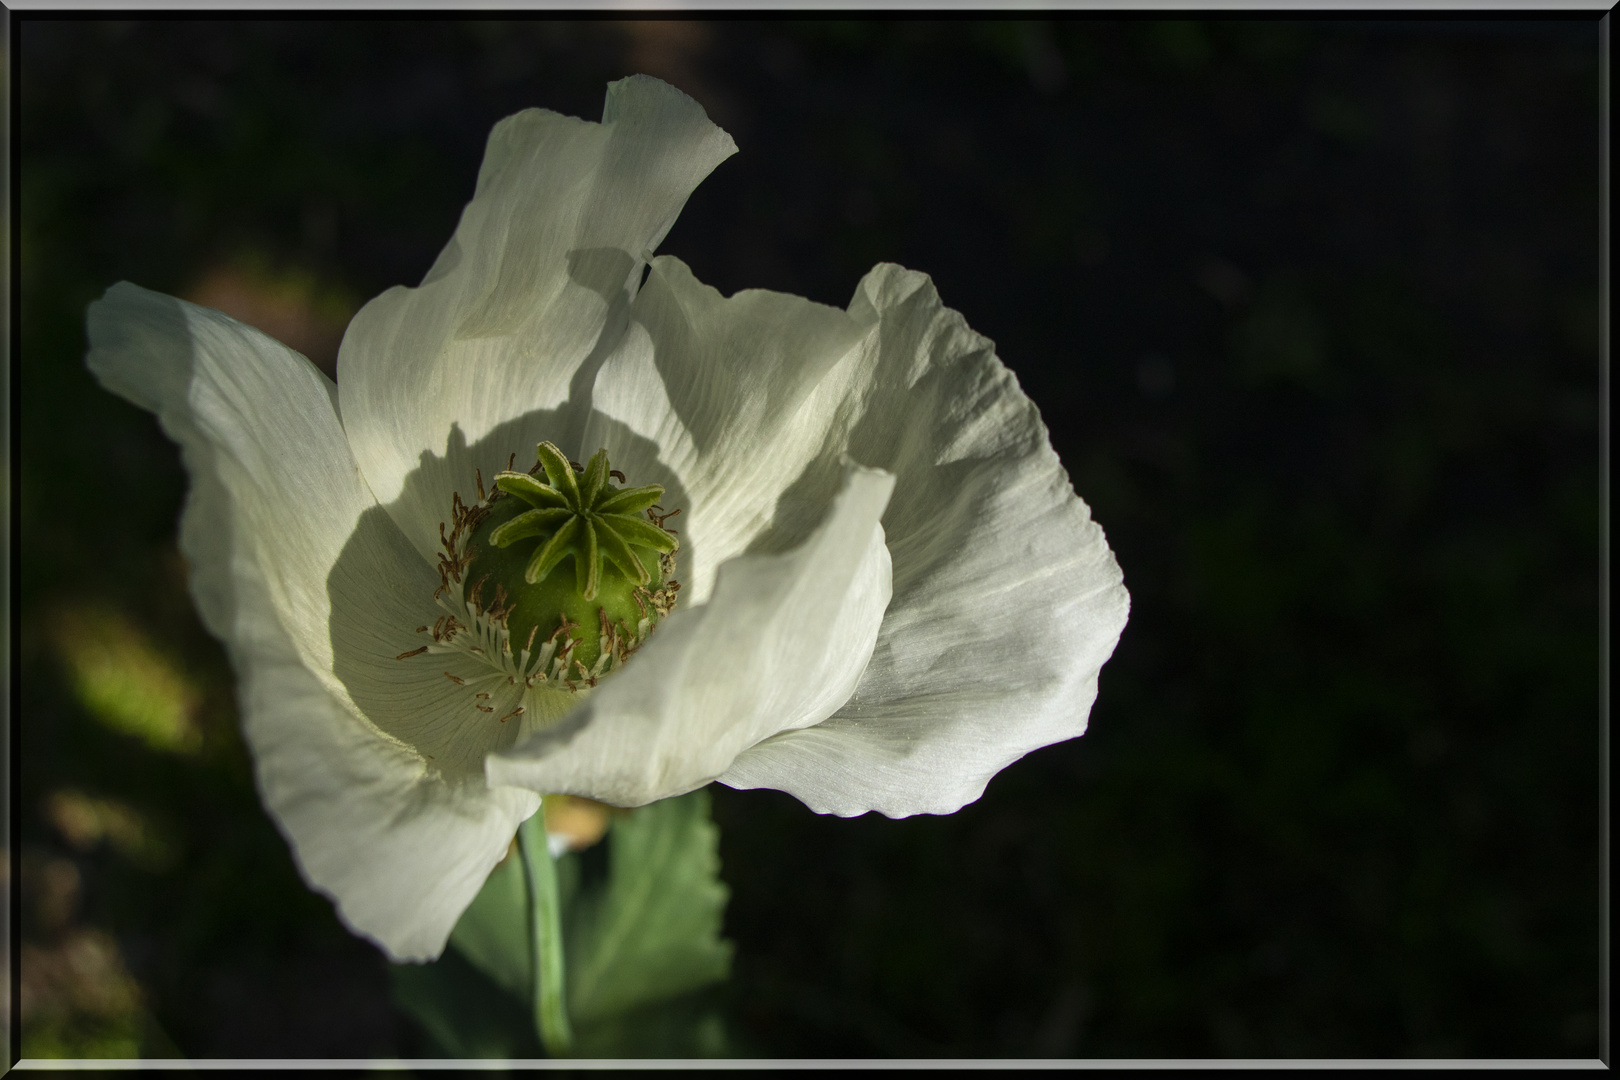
x,y
1006,597
292,566
780,645
400,848
496,349
347,587
732,398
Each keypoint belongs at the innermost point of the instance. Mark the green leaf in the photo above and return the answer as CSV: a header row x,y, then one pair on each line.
x,y
690,1026
642,934
651,931
465,1014
493,932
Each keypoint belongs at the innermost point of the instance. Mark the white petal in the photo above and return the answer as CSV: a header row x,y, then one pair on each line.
x,y
502,338
1007,600
293,566
347,588
726,401
400,848
780,645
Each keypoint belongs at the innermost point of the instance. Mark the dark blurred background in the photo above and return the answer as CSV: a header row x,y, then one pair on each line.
x,y
1311,311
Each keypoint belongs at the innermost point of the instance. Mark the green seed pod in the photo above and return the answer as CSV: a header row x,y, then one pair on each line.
x,y
570,559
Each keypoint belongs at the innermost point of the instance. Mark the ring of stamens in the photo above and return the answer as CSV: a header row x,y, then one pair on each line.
x,y
474,623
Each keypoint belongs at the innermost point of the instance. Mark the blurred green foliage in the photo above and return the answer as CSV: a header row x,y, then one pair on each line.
x,y
123,681
1309,309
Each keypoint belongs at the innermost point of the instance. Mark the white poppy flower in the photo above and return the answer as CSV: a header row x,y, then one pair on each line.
x,y
888,588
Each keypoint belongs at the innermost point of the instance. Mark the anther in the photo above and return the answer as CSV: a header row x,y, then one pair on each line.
x,y
562,629
413,652
491,584
456,680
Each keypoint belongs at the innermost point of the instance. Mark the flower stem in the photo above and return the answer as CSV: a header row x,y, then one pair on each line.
x,y
545,933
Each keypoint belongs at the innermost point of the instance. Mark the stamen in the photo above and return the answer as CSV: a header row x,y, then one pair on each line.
x,y
471,624
413,652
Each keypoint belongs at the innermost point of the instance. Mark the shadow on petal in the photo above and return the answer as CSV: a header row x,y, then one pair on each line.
x,y
425,700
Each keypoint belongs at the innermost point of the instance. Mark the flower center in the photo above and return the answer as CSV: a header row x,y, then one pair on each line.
x,y
555,579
